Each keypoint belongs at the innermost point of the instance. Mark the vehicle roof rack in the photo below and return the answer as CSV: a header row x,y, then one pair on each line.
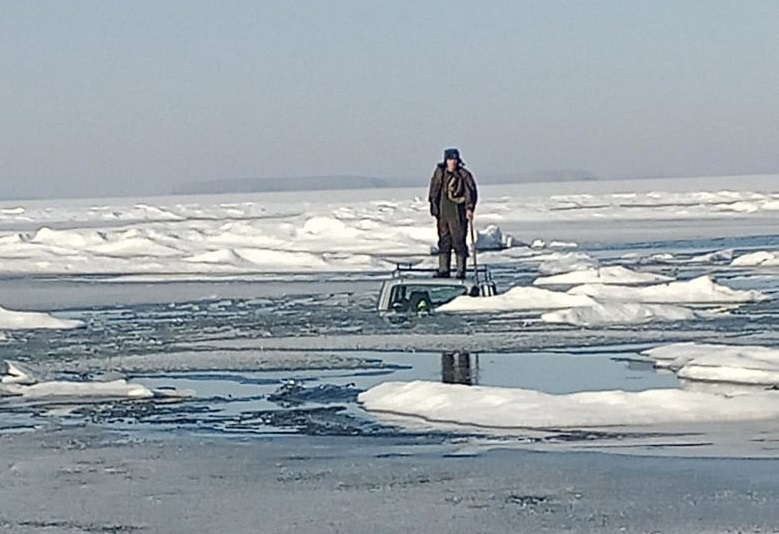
x,y
408,268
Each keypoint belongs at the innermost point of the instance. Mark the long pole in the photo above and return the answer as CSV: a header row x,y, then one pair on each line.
x,y
475,263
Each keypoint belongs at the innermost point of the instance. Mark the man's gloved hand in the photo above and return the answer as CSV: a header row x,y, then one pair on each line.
x,y
433,209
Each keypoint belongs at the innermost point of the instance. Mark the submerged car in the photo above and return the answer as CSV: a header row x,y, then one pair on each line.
x,y
414,290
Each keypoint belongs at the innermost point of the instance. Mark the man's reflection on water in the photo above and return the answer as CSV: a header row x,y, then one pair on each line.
x,y
459,367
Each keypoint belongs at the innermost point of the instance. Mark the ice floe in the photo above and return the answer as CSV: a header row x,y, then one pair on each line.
x,y
491,238
698,290
761,258
552,263
336,231
506,408
719,365
19,381
718,256
609,313
16,320
518,299
607,303
709,362
615,274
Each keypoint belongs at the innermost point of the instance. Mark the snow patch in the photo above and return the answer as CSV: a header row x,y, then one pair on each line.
x,y
505,408
565,262
615,274
517,299
699,290
761,258
14,320
609,313
19,381
709,362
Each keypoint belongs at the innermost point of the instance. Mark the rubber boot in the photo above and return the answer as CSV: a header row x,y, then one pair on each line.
x,y
444,266
461,263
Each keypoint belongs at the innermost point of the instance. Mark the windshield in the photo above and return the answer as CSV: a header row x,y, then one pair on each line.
x,y
417,297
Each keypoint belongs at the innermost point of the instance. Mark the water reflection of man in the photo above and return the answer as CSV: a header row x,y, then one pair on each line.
x,y
456,368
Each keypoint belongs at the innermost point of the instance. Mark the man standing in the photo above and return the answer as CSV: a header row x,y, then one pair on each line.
x,y
452,199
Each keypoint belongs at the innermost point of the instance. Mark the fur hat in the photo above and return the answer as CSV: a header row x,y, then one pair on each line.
x,y
451,153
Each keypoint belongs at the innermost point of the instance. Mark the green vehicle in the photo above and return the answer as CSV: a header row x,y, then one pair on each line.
x,y
414,290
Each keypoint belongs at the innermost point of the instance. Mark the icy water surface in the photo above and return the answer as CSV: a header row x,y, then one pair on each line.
x,y
290,356
323,401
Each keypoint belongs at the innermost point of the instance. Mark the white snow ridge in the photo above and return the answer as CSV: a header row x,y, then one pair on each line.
x,y
14,320
19,381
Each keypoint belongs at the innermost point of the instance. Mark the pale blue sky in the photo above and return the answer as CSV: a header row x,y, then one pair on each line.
x,y
120,96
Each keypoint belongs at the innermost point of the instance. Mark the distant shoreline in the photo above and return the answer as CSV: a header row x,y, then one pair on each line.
x,y
528,185
339,183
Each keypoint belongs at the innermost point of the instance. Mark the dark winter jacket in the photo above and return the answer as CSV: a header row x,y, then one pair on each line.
x,y
462,189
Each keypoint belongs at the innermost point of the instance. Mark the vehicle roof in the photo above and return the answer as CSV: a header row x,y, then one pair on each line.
x,y
413,280
408,271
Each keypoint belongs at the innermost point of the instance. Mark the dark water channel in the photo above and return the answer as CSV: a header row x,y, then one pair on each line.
x,y
324,401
